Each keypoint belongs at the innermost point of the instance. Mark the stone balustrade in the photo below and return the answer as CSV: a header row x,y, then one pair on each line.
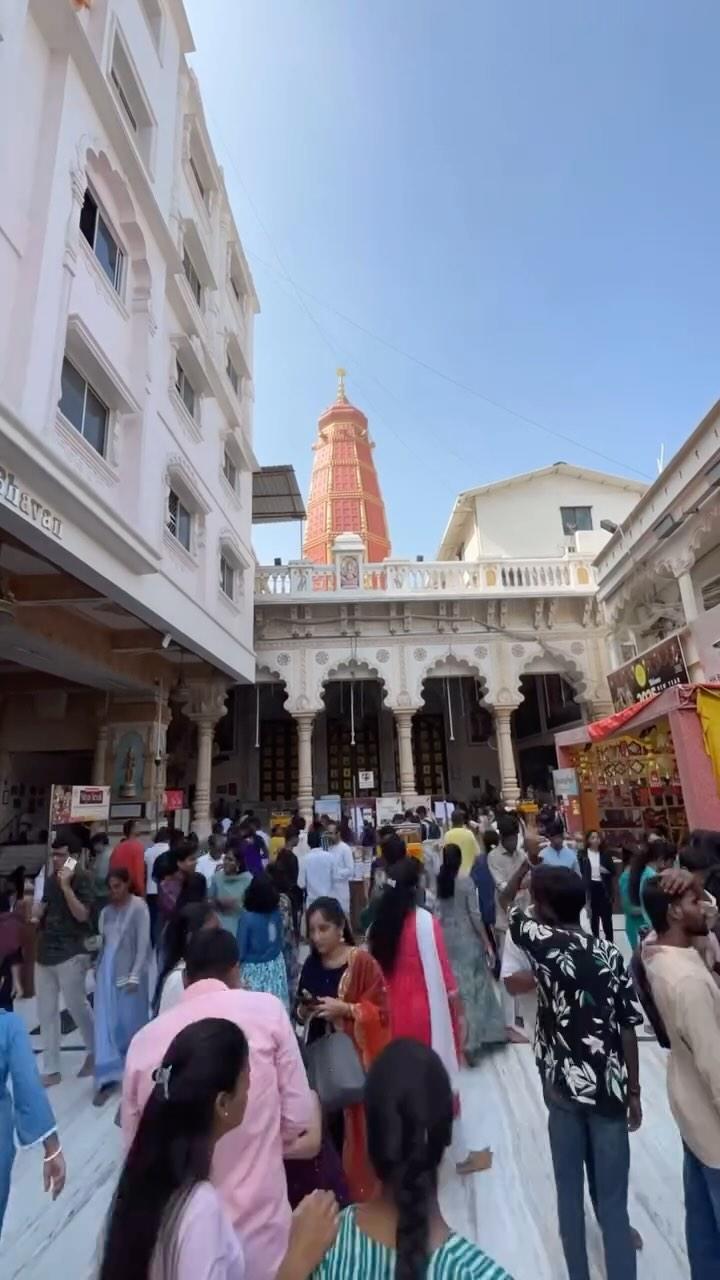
x,y
492,577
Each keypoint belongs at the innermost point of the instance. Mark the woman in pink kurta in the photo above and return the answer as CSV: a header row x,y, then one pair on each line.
x,y
167,1221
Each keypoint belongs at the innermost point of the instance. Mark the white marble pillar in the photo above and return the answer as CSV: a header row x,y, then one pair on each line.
x,y
304,721
688,595
403,720
206,707
506,757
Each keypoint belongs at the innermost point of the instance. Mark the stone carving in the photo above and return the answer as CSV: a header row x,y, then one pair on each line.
x,y
577,647
321,658
283,659
480,651
383,655
517,650
420,655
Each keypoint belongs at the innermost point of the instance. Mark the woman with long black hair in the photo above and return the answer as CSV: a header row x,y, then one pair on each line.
x,y
166,1221
402,1234
179,934
471,955
647,862
408,945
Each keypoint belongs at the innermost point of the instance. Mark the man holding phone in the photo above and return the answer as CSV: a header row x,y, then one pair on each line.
x,y
62,957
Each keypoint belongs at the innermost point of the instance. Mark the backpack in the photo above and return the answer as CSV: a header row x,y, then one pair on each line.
x,y
430,830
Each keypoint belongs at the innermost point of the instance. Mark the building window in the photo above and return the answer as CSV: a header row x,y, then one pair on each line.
x,y
124,98
198,180
227,577
185,389
130,97
233,375
711,594
83,407
101,240
576,519
179,520
192,277
229,470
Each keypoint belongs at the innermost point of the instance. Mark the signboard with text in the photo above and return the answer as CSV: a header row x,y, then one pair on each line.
x,y
78,804
651,672
565,782
366,779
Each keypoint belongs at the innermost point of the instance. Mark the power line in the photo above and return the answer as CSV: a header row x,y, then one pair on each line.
x,y
391,346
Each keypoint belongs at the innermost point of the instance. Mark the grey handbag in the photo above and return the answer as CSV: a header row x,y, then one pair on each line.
x,y
335,1071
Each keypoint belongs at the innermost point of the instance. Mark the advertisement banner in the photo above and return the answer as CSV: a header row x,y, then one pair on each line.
x,y
329,807
78,804
565,783
652,671
386,807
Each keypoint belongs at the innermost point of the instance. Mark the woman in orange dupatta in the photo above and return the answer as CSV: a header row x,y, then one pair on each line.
x,y
343,985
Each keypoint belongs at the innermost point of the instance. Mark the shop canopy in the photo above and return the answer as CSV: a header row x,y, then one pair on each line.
x,y
682,697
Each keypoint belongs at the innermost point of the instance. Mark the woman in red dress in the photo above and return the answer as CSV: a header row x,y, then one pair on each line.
x,y
408,944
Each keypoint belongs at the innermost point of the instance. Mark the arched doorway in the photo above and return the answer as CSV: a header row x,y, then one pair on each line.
x,y
550,702
354,740
453,740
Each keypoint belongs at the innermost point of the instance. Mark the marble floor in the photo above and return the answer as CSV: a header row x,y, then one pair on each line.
x,y
509,1210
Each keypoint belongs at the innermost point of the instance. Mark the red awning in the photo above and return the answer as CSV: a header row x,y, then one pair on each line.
x,y
605,728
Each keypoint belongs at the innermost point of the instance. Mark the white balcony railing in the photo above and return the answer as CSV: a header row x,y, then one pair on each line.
x,y
569,575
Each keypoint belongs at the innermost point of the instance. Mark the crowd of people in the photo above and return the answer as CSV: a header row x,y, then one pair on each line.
x,y
289,1095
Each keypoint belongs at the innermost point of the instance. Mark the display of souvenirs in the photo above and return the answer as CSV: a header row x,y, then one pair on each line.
x,y
636,783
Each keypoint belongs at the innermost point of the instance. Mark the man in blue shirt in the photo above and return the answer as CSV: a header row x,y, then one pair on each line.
x,y
557,853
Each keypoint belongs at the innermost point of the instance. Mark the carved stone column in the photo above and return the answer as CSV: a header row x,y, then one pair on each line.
x,y
403,721
304,721
506,756
206,707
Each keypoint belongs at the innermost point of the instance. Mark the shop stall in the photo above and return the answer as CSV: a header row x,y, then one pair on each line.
x,y
652,766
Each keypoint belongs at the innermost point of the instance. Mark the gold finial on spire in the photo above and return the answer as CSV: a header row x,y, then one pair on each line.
x,y
341,375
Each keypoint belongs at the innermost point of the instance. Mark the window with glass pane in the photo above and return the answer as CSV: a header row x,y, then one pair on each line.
x,y
184,388
179,520
101,240
234,376
229,470
227,577
198,180
576,519
83,407
192,277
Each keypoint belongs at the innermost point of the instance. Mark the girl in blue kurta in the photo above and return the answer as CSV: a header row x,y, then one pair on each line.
x,y
24,1110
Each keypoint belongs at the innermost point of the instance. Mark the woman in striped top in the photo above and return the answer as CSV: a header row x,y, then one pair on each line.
x,y
402,1234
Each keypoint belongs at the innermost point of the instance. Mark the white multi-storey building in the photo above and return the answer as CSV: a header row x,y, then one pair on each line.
x,y
126,399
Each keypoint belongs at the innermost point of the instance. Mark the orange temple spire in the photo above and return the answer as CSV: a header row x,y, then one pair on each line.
x,y
344,491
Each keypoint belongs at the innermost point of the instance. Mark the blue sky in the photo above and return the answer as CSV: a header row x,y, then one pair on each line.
x,y
521,194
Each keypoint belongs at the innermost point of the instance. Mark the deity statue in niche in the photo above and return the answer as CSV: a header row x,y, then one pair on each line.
x,y
349,572
127,790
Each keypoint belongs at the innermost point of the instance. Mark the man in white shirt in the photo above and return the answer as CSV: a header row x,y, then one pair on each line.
x,y
343,867
209,863
161,844
315,875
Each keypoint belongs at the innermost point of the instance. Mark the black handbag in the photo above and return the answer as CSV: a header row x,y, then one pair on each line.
x,y
334,1070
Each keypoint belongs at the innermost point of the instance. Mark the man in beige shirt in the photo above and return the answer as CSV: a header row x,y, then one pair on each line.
x,y
510,870
688,1001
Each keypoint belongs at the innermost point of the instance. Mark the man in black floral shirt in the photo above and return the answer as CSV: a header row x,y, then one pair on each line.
x,y
587,1056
